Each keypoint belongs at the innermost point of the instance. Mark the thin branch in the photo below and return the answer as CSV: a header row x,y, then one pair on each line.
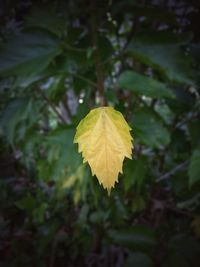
x,y
51,105
132,32
194,114
173,171
98,65
65,103
84,79
186,120
75,48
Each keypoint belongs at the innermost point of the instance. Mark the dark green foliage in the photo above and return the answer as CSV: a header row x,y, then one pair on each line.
x,y
58,60
143,86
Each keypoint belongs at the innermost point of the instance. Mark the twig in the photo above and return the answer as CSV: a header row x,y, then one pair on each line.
x,y
173,171
75,48
185,120
51,105
98,66
65,103
132,32
84,79
194,114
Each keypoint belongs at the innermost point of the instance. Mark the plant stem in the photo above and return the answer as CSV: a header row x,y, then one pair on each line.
x,y
51,105
173,171
98,65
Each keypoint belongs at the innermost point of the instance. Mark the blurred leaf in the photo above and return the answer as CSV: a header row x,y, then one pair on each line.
x,y
179,144
149,130
27,203
184,100
152,13
28,53
138,259
105,47
77,175
99,217
39,212
135,238
174,260
135,172
186,247
196,226
18,111
194,168
83,214
163,53
194,129
46,17
138,204
57,89
62,158
164,111
195,50
143,85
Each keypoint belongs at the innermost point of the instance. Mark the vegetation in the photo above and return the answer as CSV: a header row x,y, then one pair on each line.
x,y
60,59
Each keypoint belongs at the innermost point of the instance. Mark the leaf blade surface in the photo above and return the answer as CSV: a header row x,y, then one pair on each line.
x,y
104,140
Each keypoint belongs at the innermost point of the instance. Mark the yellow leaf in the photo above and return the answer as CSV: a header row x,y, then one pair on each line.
x,y
104,140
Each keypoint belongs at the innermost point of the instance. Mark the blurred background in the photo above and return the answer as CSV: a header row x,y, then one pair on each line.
x,y
58,60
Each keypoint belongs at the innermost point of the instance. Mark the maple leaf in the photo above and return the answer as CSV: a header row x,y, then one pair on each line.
x,y
104,140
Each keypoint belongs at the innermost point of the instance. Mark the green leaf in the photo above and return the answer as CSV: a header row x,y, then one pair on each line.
x,y
149,129
105,48
27,203
184,100
194,130
174,260
28,53
143,85
46,17
62,159
136,237
185,246
149,12
195,50
16,113
135,172
138,259
57,89
162,52
194,168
